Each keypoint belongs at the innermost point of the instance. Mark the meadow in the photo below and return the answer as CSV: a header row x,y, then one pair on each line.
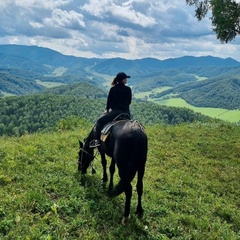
x,y
219,113
191,187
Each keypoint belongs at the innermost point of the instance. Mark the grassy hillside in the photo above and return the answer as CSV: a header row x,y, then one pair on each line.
x,y
191,187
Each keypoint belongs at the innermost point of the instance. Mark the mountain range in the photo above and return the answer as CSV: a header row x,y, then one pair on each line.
x,y
201,81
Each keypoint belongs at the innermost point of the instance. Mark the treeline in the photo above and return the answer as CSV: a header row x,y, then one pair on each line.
x,y
29,114
221,94
167,78
178,76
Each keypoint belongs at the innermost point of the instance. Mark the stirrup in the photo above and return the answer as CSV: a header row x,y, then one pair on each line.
x,y
94,143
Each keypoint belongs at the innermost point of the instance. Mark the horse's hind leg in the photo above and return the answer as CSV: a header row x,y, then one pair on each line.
x,y
112,171
140,210
128,196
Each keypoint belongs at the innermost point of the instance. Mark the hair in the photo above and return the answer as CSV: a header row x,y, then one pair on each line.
x,y
114,82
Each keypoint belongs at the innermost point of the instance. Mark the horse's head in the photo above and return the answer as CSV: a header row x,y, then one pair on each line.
x,y
85,156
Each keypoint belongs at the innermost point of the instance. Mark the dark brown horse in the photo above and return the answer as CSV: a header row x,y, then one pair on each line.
x,y
127,145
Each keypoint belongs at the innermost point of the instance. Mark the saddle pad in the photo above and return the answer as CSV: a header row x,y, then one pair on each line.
x,y
107,127
103,137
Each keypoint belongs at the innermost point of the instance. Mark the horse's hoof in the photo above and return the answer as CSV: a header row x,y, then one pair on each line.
x,y
139,213
125,220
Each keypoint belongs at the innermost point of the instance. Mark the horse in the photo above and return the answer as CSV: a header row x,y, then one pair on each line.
x,y
127,146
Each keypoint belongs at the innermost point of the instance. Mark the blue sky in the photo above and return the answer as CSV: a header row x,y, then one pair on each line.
x,y
112,28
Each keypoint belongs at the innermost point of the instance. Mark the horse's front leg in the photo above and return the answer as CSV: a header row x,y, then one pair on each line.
x,y
112,171
104,165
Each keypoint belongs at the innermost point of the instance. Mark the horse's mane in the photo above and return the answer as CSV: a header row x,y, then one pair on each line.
x,y
90,136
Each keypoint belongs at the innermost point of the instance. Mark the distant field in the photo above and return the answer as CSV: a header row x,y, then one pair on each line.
x,y
59,71
49,84
7,94
146,94
220,113
200,78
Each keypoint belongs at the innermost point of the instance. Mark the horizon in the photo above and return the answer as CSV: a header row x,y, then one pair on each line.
x,y
122,57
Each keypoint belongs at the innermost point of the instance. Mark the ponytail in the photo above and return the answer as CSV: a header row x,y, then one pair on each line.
x,y
114,82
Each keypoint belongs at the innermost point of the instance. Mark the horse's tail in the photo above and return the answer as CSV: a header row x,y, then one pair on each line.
x,y
136,160
139,154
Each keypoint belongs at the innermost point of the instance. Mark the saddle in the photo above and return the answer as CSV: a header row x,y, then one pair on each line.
x,y
106,129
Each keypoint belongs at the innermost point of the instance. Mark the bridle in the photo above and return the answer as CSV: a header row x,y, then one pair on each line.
x,y
93,156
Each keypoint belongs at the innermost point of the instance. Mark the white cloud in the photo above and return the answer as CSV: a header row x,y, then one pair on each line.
x,y
62,18
106,28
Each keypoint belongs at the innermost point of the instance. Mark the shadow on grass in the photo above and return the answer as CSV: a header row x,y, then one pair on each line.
x,y
106,213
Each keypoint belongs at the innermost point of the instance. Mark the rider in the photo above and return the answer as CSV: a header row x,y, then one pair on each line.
x,y
118,101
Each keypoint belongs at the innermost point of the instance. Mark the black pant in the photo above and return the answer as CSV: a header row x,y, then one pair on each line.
x,y
103,120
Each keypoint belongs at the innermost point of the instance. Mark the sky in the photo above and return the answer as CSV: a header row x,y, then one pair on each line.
x,y
131,29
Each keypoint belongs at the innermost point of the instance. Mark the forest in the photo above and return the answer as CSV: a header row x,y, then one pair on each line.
x,y
217,92
42,112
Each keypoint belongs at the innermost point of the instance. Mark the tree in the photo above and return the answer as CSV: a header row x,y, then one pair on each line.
x,y
225,16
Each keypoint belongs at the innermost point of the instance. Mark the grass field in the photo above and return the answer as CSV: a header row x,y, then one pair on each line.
x,y
191,187
220,113
146,94
49,84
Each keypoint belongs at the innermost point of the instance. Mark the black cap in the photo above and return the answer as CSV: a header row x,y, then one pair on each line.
x,y
121,75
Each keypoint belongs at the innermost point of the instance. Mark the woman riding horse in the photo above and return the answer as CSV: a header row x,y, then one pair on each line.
x,y
118,101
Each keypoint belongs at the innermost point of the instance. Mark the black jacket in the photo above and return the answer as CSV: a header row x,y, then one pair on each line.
x,y
119,97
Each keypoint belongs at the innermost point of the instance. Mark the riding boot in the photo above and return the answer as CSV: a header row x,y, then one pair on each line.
x,y
96,139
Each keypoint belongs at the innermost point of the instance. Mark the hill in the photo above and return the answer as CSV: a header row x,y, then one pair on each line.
x,y
34,113
14,55
41,68
16,82
191,187
218,92
82,90
213,94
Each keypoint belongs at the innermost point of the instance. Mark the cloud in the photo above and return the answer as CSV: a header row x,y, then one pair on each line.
x,y
63,18
106,28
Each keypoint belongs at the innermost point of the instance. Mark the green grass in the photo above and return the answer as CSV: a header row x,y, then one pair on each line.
x,y
220,113
191,187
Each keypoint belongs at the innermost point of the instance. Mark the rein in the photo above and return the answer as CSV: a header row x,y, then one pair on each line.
x,y
89,154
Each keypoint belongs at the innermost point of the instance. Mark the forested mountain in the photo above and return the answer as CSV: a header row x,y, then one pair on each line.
x,y
213,94
218,92
82,90
28,114
34,58
30,69
17,84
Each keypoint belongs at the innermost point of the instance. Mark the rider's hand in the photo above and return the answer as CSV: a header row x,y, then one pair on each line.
x,y
105,112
